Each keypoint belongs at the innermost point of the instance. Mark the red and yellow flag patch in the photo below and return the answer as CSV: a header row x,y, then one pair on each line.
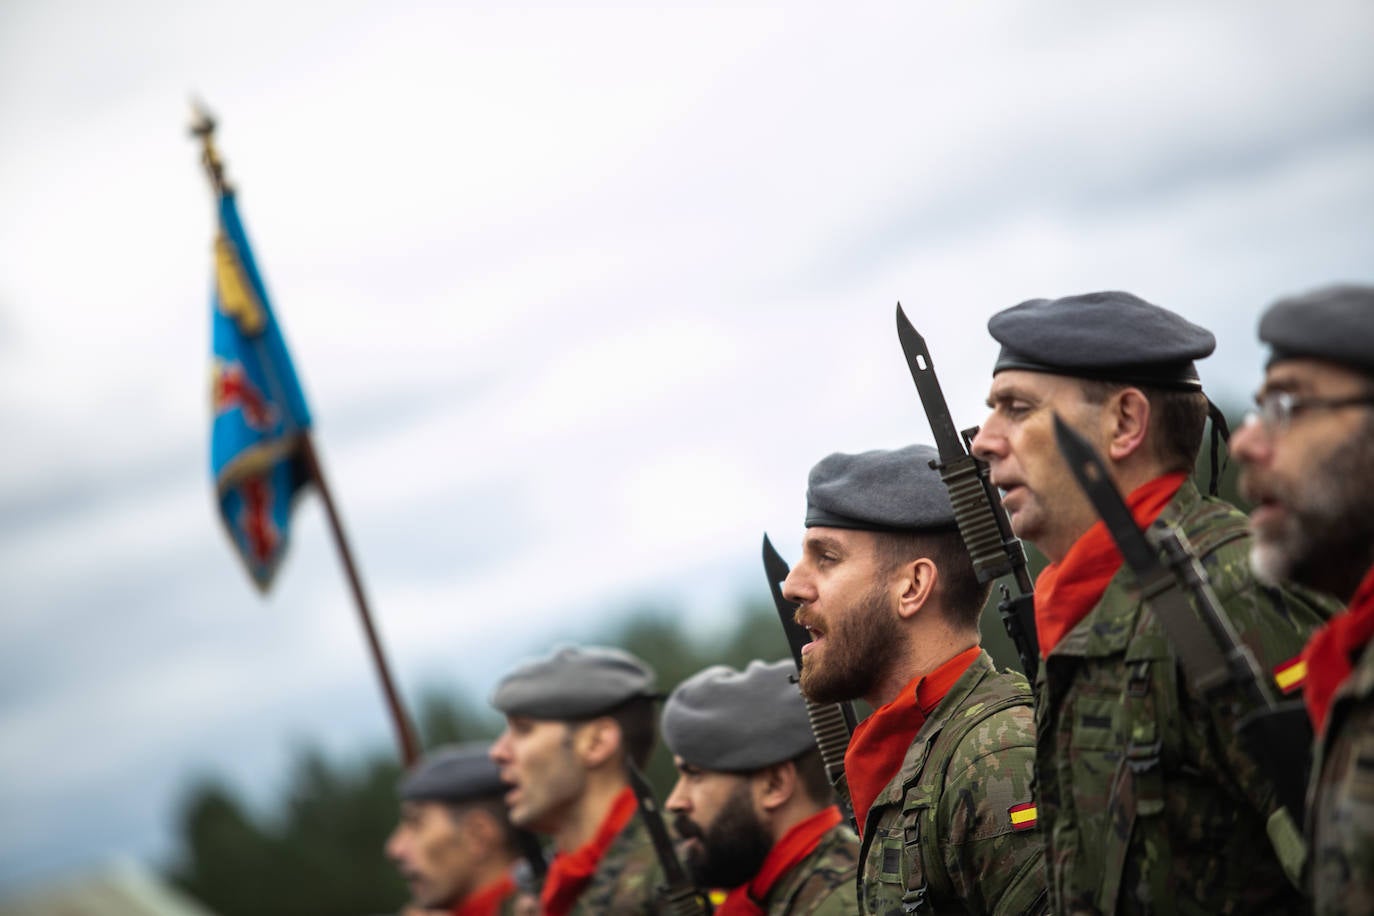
x,y
1291,674
1022,816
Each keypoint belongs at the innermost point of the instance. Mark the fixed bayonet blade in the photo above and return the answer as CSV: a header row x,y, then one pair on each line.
x,y
652,817
1092,476
942,427
831,723
776,569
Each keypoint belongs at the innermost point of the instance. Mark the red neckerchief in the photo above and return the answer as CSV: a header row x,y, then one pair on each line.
x,y
879,744
1065,592
570,872
486,900
786,854
1332,652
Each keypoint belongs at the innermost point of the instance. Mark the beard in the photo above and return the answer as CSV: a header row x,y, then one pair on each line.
x,y
861,644
732,847
1325,538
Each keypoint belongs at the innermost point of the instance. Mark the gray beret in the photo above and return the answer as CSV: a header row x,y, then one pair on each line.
x,y
576,682
1111,336
453,773
881,490
738,722
1335,323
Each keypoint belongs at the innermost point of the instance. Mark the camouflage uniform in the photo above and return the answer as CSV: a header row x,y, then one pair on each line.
x,y
1147,802
823,883
939,838
626,880
1342,798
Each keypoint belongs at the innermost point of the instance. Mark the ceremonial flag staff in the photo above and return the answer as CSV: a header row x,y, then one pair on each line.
x,y
261,453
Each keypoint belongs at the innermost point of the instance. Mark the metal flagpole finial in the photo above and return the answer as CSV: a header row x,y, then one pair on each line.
x,y
203,127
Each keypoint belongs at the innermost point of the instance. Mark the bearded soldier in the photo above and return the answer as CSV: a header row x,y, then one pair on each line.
x,y
752,800
941,773
1308,456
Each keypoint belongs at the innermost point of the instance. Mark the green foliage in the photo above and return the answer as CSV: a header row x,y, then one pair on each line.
x,y
323,854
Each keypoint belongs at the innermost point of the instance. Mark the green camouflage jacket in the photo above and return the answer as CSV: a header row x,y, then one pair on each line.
x,y
1342,798
823,883
627,880
1147,800
955,829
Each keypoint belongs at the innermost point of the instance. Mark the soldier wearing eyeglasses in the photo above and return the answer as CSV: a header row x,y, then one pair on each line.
x,y
1148,801
1308,455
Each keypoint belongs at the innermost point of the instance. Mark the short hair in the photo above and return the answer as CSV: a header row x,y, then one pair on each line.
x,y
961,594
1177,419
815,782
494,806
636,720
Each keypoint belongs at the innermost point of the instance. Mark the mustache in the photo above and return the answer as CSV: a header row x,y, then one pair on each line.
x,y
687,828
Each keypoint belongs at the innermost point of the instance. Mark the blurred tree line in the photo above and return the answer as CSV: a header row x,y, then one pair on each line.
x,y
320,852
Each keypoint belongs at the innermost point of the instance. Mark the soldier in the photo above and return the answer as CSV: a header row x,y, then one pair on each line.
x,y
1148,800
572,721
454,845
752,799
1308,455
941,773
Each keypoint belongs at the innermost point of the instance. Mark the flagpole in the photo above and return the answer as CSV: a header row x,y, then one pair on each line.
x,y
405,736
203,127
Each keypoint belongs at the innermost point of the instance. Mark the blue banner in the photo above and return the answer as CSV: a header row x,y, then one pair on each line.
x,y
259,413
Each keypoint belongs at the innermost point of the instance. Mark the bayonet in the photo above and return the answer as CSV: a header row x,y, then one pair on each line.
x,y
831,723
678,895
1215,661
978,512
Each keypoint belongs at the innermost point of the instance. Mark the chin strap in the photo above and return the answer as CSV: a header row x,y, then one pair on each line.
x,y
1221,432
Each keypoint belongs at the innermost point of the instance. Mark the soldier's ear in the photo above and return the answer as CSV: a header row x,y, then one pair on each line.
x,y
1127,420
917,583
774,786
597,741
480,825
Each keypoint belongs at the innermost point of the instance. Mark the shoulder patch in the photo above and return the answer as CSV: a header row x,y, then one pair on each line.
x,y
1023,816
1291,675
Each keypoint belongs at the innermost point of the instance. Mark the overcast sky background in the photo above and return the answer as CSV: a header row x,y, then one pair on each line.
x,y
578,295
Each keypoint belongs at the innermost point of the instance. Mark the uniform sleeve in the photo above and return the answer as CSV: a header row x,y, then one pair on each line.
x,y
993,848
839,901
1343,844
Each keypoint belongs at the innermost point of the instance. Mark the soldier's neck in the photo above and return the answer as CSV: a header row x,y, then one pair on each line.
x,y
489,871
928,650
590,811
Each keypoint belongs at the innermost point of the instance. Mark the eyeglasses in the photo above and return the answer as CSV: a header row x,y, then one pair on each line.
x,y
1275,409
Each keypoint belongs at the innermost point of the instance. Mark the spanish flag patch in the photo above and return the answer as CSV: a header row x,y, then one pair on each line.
x,y
1022,816
1291,674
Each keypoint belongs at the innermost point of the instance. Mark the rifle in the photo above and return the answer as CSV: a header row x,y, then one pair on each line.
x,y
679,896
1214,659
831,723
533,867
983,523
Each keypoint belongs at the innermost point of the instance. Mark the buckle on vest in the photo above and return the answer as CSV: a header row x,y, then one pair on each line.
x,y
914,901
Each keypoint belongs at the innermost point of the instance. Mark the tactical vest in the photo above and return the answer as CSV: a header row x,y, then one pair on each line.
x,y
1340,807
824,881
1107,764
903,869
626,879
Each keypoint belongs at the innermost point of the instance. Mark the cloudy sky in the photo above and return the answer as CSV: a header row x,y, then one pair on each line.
x,y
578,294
